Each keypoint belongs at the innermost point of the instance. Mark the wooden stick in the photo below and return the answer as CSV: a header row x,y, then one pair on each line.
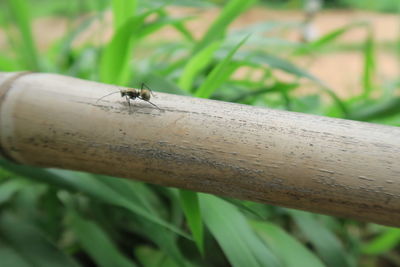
x,y
326,165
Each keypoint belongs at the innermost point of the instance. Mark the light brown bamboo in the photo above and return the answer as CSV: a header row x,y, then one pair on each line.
x,y
326,165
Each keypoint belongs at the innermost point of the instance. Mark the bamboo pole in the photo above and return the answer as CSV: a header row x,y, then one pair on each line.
x,y
325,165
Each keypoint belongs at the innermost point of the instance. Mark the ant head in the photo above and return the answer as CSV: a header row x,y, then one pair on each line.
x,y
145,94
123,93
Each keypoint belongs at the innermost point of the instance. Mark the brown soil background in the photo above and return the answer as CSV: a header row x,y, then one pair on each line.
x,y
340,70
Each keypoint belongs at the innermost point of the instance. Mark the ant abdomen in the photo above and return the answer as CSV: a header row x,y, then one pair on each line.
x,y
145,95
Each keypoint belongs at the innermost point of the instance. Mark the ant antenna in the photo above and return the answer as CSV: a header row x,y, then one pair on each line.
x,y
107,95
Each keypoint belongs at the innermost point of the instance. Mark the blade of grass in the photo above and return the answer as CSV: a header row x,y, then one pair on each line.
x,y
328,38
115,56
230,228
291,252
30,244
341,105
180,27
114,67
63,48
137,192
241,205
122,11
164,239
194,3
265,27
160,84
262,58
96,242
369,65
278,87
159,23
150,257
95,186
219,74
90,185
191,208
9,188
217,30
9,64
383,243
11,257
196,64
20,11
325,242
378,110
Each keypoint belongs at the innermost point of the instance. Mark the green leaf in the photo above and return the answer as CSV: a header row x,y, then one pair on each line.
x,y
164,239
20,11
96,187
159,23
383,243
369,65
63,49
196,64
343,110
115,56
328,38
325,242
261,58
230,228
255,209
97,244
220,73
90,185
191,207
290,251
114,67
11,257
180,26
150,257
277,87
160,84
137,192
265,26
378,110
8,64
217,30
122,11
9,188
29,245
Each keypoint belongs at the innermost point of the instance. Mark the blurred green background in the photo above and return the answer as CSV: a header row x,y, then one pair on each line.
x,y
339,59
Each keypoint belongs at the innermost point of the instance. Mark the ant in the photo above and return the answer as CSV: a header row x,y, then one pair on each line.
x,y
143,93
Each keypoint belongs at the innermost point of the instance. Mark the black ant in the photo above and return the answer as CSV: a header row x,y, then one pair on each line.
x,y
144,93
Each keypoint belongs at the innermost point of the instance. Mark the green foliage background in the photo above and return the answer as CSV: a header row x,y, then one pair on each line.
x,y
54,217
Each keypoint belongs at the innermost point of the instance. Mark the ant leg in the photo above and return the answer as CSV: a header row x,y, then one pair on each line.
x,y
128,100
150,103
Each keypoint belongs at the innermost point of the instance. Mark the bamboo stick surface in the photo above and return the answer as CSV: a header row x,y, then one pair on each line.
x,y
326,165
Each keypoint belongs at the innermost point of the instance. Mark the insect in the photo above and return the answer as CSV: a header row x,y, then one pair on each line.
x,y
144,93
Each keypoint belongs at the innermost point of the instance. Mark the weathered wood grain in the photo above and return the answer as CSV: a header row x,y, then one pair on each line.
x,y
331,166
